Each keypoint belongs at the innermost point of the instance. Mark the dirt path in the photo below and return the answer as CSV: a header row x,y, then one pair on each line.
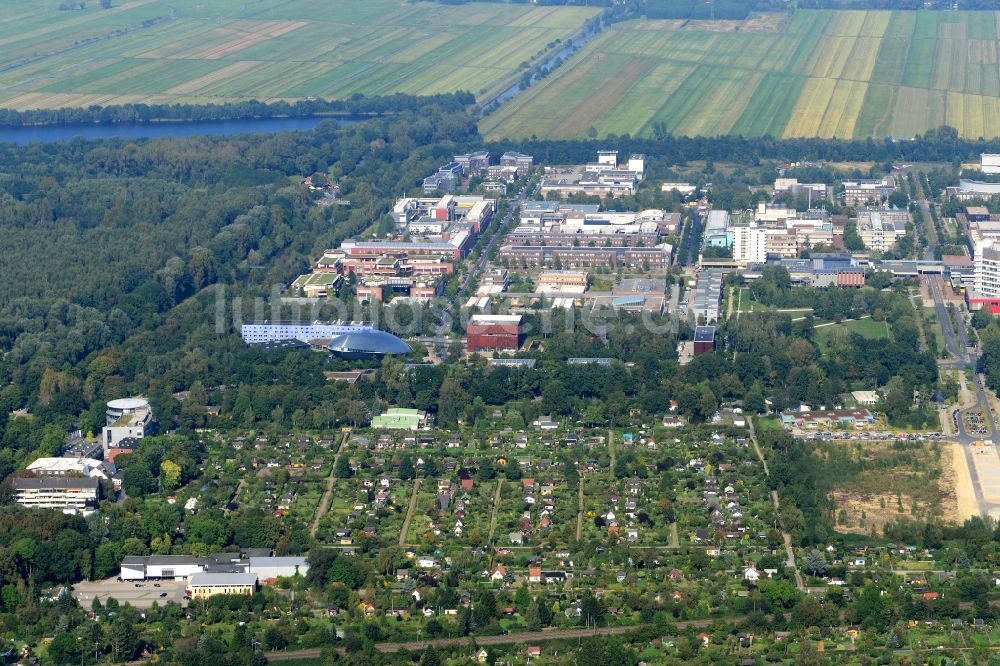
x,y
675,537
789,551
324,504
496,509
579,511
611,452
409,513
517,637
236,493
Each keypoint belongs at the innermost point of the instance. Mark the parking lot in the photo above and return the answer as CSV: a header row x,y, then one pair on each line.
x,y
160,591
867,435
975,423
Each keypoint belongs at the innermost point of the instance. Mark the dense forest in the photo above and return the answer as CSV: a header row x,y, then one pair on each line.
x,y
106,242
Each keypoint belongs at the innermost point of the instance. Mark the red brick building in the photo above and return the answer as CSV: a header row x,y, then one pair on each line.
x,y
851,278
494,333
704,339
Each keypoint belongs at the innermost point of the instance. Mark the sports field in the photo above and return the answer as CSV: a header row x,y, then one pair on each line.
x,y
813,73
184,51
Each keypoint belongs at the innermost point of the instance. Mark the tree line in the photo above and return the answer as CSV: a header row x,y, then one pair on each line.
x,y
356,105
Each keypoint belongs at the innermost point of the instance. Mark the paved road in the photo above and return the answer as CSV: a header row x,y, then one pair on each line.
x,y
693,248
497,231
984,474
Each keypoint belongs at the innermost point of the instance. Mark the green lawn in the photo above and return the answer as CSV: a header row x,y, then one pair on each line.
x,y
876,330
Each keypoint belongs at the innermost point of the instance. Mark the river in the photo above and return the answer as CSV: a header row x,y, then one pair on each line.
x,y
50,133
560,57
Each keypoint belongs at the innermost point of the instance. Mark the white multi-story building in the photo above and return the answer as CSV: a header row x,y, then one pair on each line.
x,y
879,230
989,163
637,163
70,494
126,418
750,244
264,332
987,268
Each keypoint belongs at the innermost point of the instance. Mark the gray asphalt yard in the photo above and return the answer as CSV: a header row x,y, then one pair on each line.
x,y
138,597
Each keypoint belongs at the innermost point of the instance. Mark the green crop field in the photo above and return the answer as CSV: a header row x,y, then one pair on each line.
x,y
160,51
812,73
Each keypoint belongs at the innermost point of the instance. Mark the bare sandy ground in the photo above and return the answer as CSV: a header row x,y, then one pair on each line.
x,y
965,497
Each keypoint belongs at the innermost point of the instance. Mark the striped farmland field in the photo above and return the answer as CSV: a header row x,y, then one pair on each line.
x,y
826,73
159,51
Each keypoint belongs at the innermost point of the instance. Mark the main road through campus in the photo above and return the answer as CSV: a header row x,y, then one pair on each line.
x,y
985,475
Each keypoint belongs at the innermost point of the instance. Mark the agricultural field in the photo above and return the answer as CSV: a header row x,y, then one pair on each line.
x,y
153,51
816,73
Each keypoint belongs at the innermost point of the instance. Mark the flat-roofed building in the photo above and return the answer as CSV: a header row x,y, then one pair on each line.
x,y
164,567
588,257
512,363
880,229
791,186
989,163
69,494
269,568
685,189
704,307
960,269
265,332
858,192
126,418
456,246
494,333
977,213
704,339
589,360
515,159
825,418
562,281
399,418
206,585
